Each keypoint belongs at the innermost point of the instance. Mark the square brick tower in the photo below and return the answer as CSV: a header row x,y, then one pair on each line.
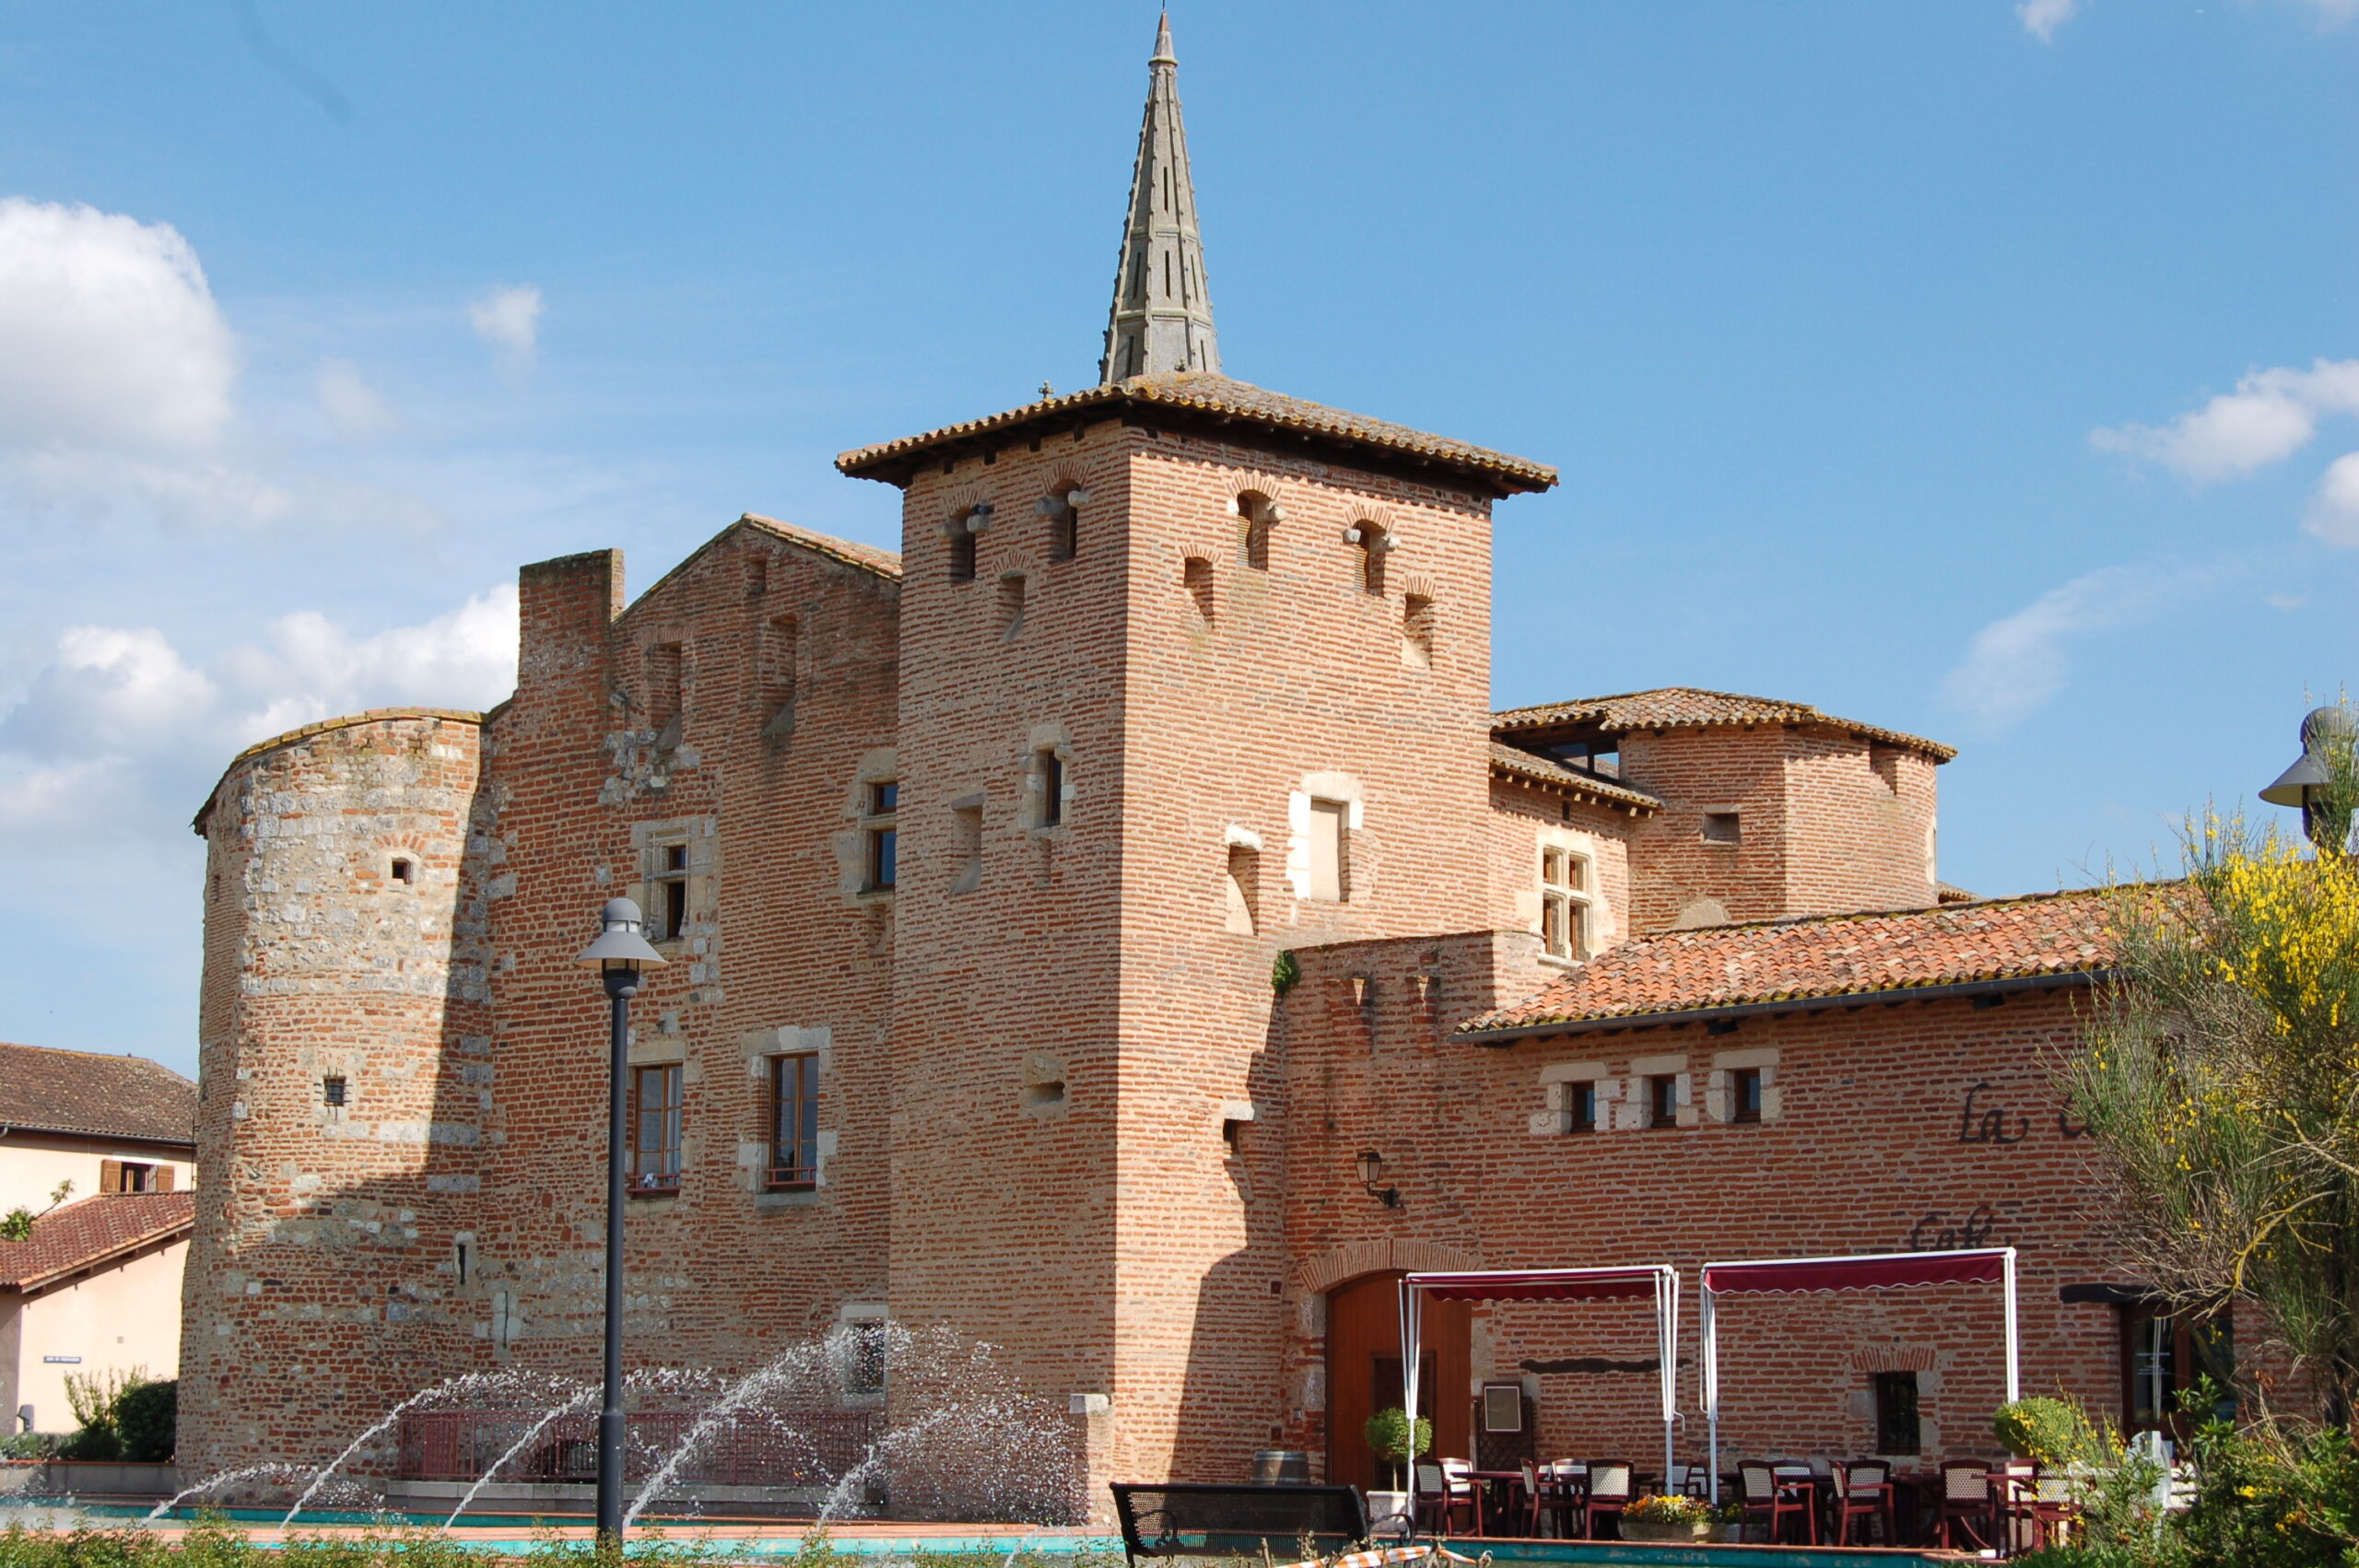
x,y
1191,673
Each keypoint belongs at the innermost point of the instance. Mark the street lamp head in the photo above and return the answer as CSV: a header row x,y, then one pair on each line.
x,y
622,947
2321,728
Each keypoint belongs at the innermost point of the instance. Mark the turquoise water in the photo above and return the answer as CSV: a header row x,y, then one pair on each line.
x,y
1700,1556
1047,1545
58,1512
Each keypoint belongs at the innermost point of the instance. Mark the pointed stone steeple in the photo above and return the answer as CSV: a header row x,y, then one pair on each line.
x,y
1162,318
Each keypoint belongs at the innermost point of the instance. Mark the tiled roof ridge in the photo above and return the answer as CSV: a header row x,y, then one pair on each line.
x,y
869,557
1209,393
2023,939
1531,765
1743,707
91,1230
1835,917
95,1094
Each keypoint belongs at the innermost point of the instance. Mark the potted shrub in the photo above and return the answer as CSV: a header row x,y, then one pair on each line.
x,y
1674,1518
1389,1436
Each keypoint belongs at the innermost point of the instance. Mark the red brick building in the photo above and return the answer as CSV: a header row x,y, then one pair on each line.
x,y
1058,909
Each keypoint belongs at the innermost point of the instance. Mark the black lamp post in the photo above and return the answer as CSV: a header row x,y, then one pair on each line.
x,y
620,950
2304,784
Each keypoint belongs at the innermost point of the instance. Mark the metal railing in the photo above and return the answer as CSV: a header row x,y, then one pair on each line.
x,y
751,1448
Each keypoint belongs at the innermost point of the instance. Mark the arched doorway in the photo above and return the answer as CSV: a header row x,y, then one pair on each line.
x,y
1364,1373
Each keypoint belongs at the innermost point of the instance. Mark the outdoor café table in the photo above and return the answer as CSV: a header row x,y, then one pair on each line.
x,y
1503,1500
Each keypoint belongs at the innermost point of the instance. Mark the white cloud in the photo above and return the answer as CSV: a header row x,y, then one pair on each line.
x,y
2018,663
509,320
354,406
2271,415
110,338
2042,17
2334,505
2331,14
119,732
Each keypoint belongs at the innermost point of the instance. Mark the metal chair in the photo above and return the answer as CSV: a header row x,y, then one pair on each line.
x,y
1459,1490
1863,1491
1965,1504
1770,1500
1565,1485
1609,1493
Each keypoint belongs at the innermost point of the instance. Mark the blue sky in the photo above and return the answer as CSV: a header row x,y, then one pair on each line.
x,y
1987,371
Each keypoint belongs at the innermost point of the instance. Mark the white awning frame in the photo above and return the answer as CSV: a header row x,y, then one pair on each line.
x,y
1550,1284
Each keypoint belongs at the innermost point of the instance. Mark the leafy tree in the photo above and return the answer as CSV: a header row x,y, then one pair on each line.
x,y
147,1417
2221,1084
1389,1436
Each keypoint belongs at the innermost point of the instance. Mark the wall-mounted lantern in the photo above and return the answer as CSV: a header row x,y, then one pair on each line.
x,y
1371,1169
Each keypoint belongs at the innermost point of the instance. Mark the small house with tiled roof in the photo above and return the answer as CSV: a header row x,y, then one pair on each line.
x,y
97,1166
1115,926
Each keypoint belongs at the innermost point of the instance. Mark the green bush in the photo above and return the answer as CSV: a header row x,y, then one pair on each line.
x,y
146,1416
2053,1432
1387,1433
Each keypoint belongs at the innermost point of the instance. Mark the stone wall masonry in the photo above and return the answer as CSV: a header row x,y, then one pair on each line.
x,y
1523,822
1827,823
1293,687
322,1277
747,763
1878,1138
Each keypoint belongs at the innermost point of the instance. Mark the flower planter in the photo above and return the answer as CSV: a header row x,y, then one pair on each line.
x,y
1667,1530
1388,1512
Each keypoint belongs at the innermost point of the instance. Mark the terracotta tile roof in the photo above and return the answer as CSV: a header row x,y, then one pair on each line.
x,y
106,1096
67,1240
1192,392
885,563
1683,972
1550,773
1691,707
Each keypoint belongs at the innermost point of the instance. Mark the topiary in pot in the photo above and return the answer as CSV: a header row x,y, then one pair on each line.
x,y
1388,1436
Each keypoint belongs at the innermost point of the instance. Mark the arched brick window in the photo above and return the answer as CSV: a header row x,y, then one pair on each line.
x,y
1257,515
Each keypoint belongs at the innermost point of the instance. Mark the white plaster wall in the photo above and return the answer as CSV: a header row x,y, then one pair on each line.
x,y
31,1166
115,1319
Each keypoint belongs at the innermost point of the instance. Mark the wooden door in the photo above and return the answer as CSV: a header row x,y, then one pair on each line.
x,y
1364,1373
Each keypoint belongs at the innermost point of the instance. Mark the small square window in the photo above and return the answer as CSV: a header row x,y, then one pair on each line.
x,y
1662,1100
884,800
1744,1099
1721,827
332,1090
1580,1105
404,871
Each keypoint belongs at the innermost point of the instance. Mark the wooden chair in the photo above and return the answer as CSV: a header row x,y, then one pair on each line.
x,y
1609,1493
1863,1491
1770,1501
1966,1505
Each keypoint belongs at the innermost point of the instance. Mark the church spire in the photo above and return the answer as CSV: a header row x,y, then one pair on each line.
x,y
1162,318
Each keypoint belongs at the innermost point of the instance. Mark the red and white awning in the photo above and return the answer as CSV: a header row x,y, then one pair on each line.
x,y
1871,1272
1882,1272
1542,1284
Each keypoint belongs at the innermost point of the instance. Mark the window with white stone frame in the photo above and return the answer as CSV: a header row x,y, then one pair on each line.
x,y
1566,880
1741,1088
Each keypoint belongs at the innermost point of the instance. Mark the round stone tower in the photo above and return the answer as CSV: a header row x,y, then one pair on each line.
x,y
344,1074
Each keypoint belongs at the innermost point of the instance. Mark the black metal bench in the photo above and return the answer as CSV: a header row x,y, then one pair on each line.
x,y
1186,1520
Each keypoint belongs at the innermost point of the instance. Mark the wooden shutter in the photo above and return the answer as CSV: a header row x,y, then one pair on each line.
x,y
163,1178
109,1176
